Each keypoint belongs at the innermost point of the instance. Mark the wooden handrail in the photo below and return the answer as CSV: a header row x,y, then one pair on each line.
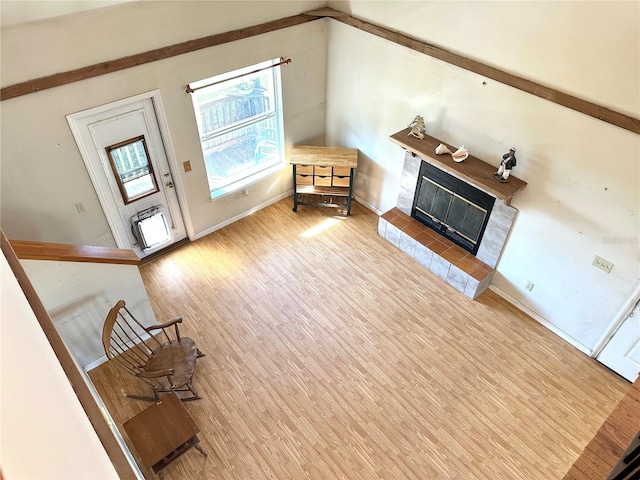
x,y
61,252
88,402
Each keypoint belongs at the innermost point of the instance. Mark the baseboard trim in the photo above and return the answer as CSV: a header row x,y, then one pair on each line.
x,y
246,213
368,205
96,363
112,424
164,251
545,323
100,360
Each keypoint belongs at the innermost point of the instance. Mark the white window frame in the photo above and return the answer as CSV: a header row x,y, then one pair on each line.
x,y
276,114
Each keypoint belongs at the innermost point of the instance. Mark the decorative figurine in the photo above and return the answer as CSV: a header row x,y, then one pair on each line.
x,y
457,156
506,165
417,127
442,149
460,154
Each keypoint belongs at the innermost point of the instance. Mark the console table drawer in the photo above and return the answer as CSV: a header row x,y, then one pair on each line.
x,y
341,181
304,179
322,181
304,169
342,171
322,170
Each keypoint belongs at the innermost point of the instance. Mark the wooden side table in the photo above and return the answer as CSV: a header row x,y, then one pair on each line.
x,y
323,176
163,432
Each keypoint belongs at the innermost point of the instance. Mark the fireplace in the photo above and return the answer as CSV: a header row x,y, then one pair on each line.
x,y
453,208
499,219
463,202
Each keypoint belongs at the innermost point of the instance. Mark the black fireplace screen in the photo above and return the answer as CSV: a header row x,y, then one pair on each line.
x,y
452,207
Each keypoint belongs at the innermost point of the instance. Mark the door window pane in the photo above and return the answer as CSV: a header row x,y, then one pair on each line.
x,y
132,169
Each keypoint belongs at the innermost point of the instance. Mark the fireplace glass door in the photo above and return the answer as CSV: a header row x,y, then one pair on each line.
x,y
452,207
451,210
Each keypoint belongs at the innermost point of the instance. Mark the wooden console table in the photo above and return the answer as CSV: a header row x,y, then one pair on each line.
x,y
323,176
163,432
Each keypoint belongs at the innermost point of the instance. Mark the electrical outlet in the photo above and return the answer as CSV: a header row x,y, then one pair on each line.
x,y
529,286
245,192
80,207
187,166
602,264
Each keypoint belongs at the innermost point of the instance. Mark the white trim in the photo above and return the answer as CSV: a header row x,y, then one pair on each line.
x,y
96,363
276,114
104,196
161,118
617,322
246,213
113,105
112,425
103,359
368,205
541,320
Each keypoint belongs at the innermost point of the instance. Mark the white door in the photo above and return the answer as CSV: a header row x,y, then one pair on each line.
x,y
622,353
125,156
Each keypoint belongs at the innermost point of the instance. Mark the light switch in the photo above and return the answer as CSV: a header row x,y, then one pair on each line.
x,y
602,264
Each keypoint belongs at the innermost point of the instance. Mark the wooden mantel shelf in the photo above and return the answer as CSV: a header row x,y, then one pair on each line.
x,y
472,170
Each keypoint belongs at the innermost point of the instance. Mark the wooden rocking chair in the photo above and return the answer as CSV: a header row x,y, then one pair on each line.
x,y
150,353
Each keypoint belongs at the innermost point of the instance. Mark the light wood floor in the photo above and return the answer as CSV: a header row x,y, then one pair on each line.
x,y
333,355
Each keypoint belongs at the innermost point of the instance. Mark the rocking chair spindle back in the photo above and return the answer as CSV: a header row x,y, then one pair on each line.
x,y
166,364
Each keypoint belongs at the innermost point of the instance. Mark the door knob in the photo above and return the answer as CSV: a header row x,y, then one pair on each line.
x,y
166,174
169,184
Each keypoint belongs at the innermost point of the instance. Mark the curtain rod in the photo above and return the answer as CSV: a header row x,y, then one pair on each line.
x,y
282,61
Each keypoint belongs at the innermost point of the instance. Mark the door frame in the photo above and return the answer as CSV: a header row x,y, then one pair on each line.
x,y
617,322
104,195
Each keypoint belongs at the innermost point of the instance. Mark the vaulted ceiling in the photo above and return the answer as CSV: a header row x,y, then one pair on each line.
x,y
15,12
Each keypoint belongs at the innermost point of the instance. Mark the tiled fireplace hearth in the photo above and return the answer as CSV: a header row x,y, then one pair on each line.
x,y
468,273
458,268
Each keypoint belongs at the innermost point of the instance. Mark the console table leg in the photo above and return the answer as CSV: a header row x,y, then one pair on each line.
x,y
295,193
350,192
200,449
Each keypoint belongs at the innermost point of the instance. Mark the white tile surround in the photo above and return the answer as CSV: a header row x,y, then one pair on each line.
x,y
442,257
499,224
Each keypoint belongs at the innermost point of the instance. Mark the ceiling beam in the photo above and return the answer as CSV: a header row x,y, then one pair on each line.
x,y
84,73
558,97
599,112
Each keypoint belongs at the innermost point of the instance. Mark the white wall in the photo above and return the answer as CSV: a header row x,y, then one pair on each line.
x,y
44,431
583,175
588,49
43,175
582,197
78,297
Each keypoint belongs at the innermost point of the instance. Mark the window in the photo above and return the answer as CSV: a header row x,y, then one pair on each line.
x,y
134,173
239,117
